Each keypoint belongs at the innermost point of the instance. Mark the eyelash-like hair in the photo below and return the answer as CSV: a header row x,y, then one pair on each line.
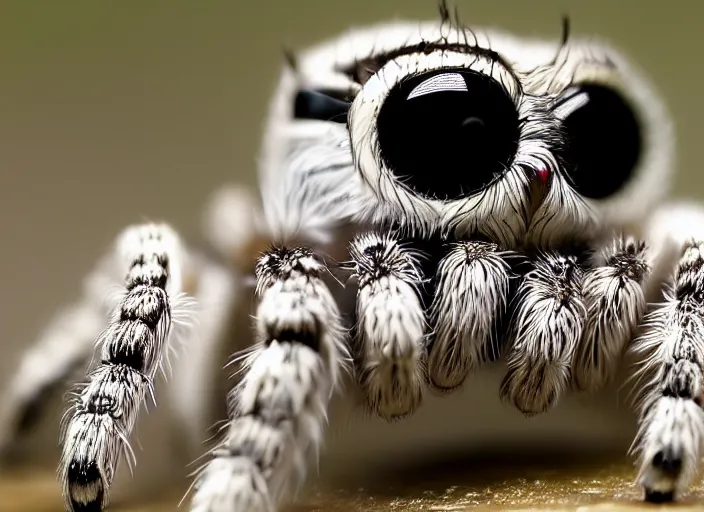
x,y
361,70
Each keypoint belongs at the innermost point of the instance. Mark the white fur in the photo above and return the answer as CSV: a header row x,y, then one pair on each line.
x,y
615,303
548,324
472,293
391,326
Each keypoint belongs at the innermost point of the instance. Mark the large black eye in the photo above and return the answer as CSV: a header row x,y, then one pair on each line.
x,y
447,134
603,140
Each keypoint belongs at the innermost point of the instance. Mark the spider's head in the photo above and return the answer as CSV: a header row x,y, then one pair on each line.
x,y
478,132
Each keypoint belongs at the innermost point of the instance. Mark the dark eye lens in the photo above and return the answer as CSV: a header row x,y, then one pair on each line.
x,y
321,105
447,134
603,141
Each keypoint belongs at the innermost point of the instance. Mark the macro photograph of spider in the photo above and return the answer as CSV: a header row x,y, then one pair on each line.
x,y
410,256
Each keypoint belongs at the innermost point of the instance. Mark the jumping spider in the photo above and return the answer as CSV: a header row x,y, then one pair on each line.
x,y
488,197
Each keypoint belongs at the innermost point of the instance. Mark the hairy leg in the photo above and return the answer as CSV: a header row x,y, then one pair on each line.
x,y
672,420
670,353
390,333
279,408
548,322
615,303
132,349
471,295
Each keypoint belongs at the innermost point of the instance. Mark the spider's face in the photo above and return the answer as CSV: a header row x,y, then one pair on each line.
x,y
470,132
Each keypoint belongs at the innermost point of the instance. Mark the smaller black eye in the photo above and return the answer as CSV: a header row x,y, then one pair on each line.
x,y
320,105
448,133
602,140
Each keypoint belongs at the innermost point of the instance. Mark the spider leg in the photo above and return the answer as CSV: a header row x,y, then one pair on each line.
x,y
670,352
615,302
132,349
390,332
548,322
279,408
672,421
471,295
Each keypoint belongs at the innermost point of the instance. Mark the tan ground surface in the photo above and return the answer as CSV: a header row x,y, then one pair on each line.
x,y
585,488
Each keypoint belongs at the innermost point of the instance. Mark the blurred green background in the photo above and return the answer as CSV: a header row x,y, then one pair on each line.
x,y
114,112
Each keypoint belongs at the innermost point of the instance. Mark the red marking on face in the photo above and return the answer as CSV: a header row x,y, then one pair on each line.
x,y
543,175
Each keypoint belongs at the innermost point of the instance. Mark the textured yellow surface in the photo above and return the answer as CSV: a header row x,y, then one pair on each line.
x,y
584,488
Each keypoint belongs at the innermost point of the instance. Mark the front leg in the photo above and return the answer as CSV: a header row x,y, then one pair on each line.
x,y
548,322
616,304
471,295
279,408
390,330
